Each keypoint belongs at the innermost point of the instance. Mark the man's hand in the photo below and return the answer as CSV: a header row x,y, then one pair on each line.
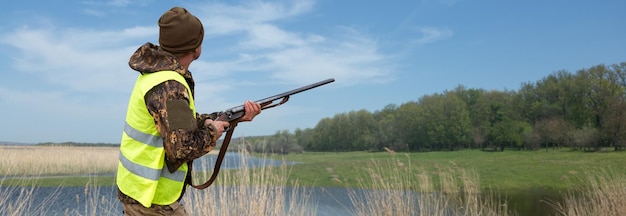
x,y
219,125
251,110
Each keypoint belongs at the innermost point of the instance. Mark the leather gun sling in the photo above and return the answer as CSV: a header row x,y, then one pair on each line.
x,y
220,159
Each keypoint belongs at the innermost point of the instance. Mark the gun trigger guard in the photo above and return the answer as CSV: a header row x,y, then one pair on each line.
x,y
232,125
284,100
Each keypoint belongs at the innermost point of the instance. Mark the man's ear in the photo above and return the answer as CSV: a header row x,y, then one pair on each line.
x,y
197,52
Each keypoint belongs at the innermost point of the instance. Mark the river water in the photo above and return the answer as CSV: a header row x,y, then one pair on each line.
x,y
75,201
322,201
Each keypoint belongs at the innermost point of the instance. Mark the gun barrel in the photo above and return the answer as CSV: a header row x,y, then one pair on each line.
x,y
284,94
296,91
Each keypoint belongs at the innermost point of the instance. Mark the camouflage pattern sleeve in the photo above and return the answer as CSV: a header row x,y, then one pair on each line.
x,y
211,116
185,137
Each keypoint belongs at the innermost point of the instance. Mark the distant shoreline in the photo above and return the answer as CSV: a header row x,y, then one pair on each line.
x,y
21,145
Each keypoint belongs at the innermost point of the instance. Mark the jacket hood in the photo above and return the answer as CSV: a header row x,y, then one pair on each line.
x,y
150,58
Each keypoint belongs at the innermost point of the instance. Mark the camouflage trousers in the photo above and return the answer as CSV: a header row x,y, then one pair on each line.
x,y
175,209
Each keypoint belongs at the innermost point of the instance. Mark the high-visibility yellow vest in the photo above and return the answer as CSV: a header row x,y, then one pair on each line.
x,y
141,171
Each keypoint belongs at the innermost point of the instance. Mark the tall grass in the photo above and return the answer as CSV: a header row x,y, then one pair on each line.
x,y
397,190
604,194
20,200
249,191
96,201
393,186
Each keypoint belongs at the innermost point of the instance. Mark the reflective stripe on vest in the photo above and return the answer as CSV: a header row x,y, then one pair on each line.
x,y
142,173
146,172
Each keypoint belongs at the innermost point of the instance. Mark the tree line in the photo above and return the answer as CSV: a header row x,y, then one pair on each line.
x,y
585,110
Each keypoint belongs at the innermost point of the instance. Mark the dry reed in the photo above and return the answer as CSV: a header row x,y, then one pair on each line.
x,y
603,194
20,200
397,189
245,191
249,191
57,160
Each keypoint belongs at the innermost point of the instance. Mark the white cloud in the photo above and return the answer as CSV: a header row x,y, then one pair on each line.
x,y
114,3
92,12
89,59
269,36
219,19
432,34
351,62
291,56
58,104
76,59
119,3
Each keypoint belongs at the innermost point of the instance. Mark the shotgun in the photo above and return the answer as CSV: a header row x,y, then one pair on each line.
x,y
233,115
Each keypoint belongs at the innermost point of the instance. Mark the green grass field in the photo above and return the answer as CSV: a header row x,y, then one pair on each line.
x,y
508,170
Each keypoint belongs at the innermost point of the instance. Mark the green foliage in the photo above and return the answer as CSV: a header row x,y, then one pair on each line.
x,y
445,121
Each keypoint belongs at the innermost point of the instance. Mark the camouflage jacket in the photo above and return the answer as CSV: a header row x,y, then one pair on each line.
x,y
184,138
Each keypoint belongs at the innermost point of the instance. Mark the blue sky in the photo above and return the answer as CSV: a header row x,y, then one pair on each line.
x,y
66,78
